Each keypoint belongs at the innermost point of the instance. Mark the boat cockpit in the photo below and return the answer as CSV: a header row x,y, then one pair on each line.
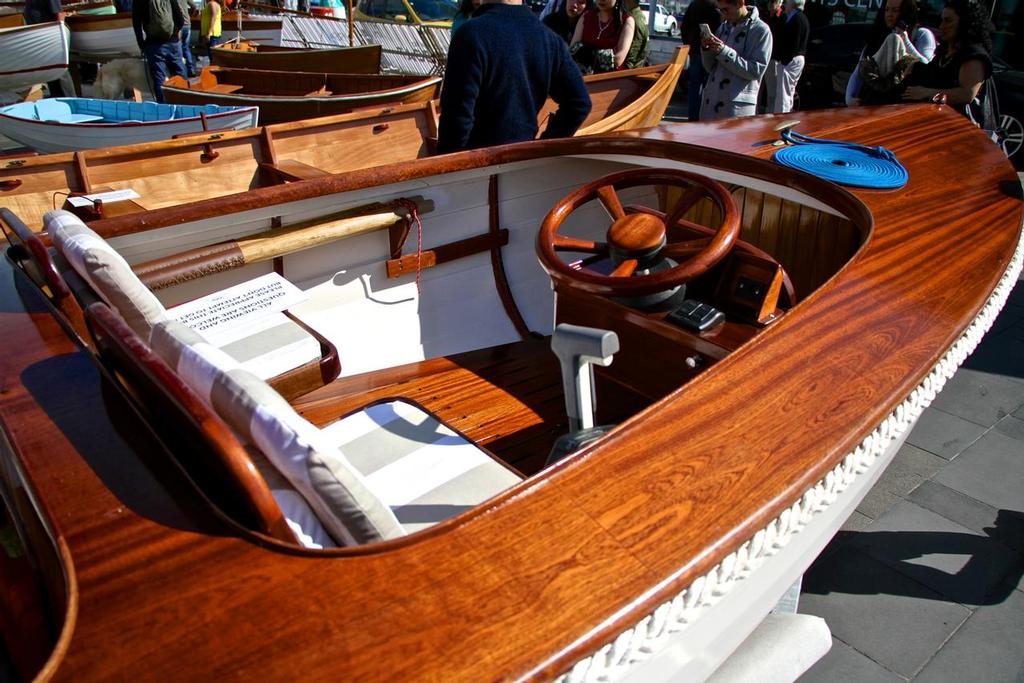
x,y
345,361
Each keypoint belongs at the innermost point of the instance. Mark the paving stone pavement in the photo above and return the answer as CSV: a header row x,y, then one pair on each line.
x,y
924,582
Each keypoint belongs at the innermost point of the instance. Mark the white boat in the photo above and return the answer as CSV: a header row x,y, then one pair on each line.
x,y
65,124
103,36
32,54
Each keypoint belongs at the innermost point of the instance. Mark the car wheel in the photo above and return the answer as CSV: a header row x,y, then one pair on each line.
x,y
1012,134
673,29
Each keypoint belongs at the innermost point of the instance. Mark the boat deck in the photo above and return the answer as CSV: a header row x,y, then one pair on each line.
x,y
924,582
516,390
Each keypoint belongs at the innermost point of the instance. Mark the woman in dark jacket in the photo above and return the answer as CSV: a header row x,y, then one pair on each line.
x,y
963,61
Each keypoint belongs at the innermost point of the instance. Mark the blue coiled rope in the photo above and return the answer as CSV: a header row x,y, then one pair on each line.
x,y
842,162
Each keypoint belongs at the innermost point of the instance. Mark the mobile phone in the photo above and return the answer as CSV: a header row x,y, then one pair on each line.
x,y
902,27
705,32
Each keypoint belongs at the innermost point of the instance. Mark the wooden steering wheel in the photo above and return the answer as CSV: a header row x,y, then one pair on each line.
x,y
636,241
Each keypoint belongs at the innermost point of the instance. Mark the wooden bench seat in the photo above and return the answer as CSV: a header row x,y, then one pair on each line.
x,y
290,170
224,88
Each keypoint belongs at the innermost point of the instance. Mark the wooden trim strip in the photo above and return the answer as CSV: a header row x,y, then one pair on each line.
x,y
403,265
498,266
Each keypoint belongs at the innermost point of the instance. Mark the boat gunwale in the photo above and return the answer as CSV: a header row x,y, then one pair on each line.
x,y
586,462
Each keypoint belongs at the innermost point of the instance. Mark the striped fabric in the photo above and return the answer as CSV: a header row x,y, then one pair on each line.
x,y
105,270
260,416
272,344
413,462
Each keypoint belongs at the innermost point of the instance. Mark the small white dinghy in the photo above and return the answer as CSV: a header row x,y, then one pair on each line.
x,y
32,54
63,124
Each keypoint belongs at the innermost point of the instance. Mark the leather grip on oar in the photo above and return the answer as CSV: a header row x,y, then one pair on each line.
x,y
189,265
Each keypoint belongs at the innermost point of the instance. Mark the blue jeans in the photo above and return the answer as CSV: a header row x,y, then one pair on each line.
x,y
214,42
163,60
696,75
186,49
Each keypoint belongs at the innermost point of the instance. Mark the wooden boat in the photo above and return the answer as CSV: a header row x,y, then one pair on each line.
x,y
32,54
109,36
652,553
207,166
262,29
71,123
202,167
362,59
102,37
292,96
11,20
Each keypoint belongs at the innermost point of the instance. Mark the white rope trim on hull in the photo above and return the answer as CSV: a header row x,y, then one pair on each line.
x,y
650,634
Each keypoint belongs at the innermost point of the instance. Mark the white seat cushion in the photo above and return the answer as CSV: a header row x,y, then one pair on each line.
x,y
269,346
260,416
418,466
105,270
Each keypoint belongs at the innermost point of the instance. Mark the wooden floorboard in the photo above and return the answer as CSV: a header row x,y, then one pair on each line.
x,y
507,399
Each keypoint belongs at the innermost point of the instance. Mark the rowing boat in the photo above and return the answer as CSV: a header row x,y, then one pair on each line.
x,y
102,37
32,54
221,163
293,96
362,59
72,123
730,455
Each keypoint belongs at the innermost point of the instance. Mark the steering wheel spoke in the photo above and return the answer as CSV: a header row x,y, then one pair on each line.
x,y
610,199
690,197
566,243
626,268
680,251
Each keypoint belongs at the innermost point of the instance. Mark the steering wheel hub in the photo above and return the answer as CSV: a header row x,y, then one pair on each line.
x,y
636,236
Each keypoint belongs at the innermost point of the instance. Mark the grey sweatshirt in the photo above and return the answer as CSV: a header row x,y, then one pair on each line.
x,y
735,73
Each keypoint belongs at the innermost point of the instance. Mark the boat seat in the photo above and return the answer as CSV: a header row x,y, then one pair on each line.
x,y
381,472
61,112
313,360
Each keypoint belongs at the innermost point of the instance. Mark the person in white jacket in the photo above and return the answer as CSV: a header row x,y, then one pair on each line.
x,y
895,17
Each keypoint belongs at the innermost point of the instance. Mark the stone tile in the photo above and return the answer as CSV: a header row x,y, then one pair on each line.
x,y
1012,427
1005,526
843,663
909,468
991,470
877,502
981,397
856,522
891,619
964,565
944,434
988,647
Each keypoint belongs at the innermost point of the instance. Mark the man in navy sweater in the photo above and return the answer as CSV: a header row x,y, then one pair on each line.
x,y
502,66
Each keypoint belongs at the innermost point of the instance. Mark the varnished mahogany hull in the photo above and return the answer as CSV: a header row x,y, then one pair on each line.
x,y
293,96
553,570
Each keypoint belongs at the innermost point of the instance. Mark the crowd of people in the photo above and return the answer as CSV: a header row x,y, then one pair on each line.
x,y
504,62
743,60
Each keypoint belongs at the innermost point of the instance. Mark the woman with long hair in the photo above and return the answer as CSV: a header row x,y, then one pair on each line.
x,y
602,37
895,17
964,60
564,19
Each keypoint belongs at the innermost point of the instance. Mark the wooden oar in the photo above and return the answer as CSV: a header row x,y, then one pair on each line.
x,y
196,263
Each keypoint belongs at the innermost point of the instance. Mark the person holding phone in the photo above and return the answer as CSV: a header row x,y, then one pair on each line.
x,y
736,58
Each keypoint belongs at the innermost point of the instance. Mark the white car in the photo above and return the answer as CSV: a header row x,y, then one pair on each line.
x,y
663,21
